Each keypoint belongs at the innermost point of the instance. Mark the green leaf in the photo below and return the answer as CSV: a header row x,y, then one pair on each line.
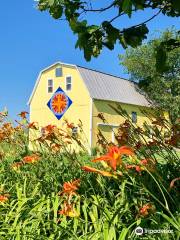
x,y
161,57
51,2
127,7
92,28
135,35
171,221
56,11
123,234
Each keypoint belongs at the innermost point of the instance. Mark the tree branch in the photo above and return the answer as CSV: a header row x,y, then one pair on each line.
x,y
155,15
100,9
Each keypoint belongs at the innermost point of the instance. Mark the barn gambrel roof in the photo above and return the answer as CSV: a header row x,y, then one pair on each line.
x,y
105,86
108,87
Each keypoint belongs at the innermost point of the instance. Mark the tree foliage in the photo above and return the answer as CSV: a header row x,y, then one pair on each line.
x,y
162,87
92,38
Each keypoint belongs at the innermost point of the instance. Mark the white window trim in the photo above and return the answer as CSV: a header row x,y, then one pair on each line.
x,y
66,82
48,85
107,124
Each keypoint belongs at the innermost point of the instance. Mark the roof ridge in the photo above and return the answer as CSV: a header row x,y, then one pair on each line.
x,y
125,79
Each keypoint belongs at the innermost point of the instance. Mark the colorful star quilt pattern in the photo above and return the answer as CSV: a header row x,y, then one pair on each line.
x,y
59,103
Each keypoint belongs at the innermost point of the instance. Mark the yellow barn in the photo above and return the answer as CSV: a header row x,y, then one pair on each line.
x,y
65,91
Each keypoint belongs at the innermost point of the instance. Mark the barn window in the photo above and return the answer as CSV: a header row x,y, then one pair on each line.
x,y
68,83
74,131
59,72
50,85
134,117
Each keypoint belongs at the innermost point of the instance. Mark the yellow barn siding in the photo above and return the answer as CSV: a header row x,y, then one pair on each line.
x,y
83,107
80,108
112,117
106,131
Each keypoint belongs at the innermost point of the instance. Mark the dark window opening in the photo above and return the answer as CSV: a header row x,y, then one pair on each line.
x,y
59,72
50,86
74,131
68,83
134,117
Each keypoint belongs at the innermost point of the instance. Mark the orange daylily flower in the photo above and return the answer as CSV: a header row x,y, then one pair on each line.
x,y
150,165
48,131
130,166
33,125
114,155
136,167
145,209
68,210
23,114
91,169
49,128
144,162
4,198
125,150
70,188
31,159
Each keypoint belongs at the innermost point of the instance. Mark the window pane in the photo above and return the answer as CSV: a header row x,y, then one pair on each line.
x,y
134,117
50,86
74,130
50,89
68,83
59,72
68,87
50,82
68,80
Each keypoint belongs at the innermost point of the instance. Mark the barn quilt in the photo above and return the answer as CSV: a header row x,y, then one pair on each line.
x,y
59,103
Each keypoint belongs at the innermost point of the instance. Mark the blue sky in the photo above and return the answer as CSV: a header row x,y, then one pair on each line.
x,y
31,40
